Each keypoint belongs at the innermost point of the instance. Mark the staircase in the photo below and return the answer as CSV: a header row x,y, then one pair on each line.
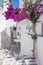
x,y
26,60
32,61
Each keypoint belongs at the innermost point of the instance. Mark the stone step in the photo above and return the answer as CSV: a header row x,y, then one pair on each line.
x,y
32,60
32,64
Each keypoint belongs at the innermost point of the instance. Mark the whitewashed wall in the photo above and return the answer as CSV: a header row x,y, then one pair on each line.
x,y
5,36
39,44
5,32
26,41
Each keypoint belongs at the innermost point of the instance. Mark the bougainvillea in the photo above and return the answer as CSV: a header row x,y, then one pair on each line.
x,y
15,14
31,12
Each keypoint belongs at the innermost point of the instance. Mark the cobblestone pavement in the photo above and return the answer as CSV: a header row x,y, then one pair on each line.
x,y
8,58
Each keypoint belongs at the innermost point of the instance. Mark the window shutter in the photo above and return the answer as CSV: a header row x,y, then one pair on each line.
x,y
15,3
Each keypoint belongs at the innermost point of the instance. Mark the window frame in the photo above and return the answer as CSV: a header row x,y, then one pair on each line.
x,y
15,6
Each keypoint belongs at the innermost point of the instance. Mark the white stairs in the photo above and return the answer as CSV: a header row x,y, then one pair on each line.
x,y
32,61
26,60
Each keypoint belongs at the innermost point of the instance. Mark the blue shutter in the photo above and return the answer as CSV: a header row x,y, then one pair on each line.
x,y
15,3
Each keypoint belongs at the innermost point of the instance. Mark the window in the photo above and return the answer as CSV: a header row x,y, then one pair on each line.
x,y
15,3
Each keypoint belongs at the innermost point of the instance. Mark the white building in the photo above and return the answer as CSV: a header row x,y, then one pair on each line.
x,y
26,41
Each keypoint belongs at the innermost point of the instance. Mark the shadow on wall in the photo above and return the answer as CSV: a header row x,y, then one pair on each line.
x,y
6,43
5,39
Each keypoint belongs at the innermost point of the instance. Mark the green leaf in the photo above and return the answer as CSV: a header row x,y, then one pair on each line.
x,y
32,15
34,37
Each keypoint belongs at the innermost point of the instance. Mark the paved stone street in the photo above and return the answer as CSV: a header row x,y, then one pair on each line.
x,y
8,59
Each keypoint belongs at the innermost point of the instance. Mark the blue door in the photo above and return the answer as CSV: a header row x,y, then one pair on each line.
x,y
15,3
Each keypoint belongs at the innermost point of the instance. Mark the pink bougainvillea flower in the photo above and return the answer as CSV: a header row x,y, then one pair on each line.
x,y
32,12
15,14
